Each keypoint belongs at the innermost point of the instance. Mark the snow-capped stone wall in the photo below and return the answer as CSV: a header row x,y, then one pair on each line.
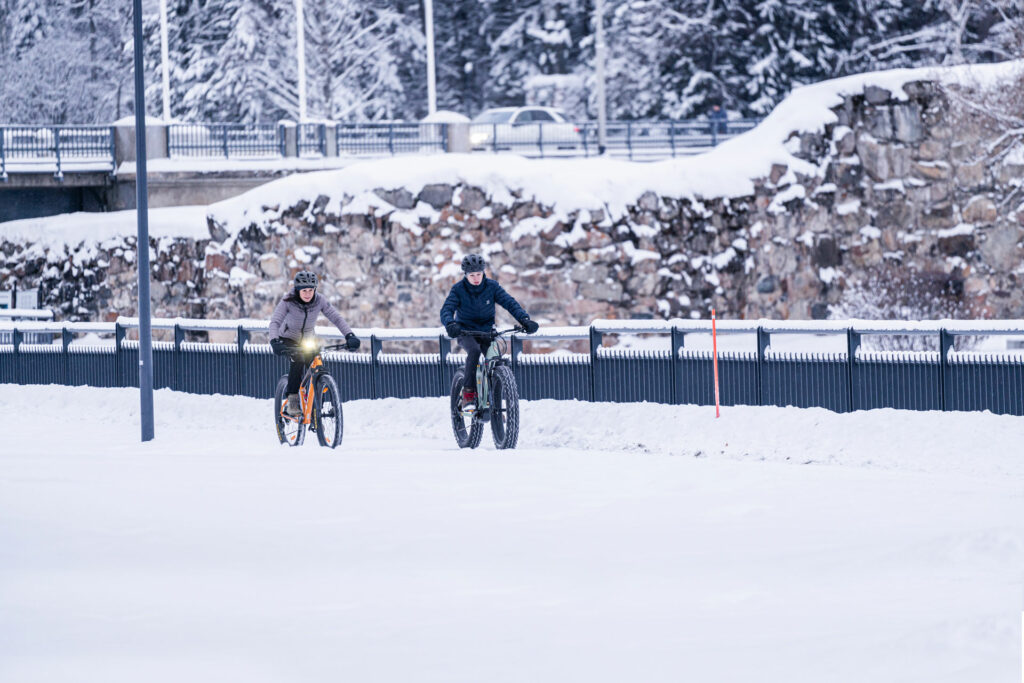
x,y
901,188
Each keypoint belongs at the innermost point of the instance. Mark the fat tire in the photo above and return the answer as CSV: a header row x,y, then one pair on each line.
x,y
285,426
466,438
504,408
323,433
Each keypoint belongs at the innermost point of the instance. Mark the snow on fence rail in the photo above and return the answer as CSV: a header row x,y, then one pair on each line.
x,y
856,379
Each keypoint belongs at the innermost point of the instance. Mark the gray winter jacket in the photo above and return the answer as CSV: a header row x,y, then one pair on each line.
x,y
294,319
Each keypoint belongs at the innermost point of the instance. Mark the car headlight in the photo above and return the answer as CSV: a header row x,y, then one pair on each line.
x,y
479,138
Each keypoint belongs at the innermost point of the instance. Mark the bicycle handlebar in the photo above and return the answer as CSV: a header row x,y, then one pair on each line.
x,y
492,334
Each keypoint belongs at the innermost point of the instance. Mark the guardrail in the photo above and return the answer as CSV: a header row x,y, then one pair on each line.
x,y
45,148
855,380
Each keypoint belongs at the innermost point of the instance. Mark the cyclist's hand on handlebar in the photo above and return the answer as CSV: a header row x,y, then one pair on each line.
x,y
281,346
529,326
453,329
351,341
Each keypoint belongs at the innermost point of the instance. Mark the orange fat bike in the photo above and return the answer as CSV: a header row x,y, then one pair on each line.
x,y
319,397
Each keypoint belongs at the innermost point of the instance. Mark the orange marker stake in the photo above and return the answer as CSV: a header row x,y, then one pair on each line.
x,y
714,352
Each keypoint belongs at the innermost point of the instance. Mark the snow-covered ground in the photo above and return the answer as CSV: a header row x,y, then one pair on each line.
x,y
619,543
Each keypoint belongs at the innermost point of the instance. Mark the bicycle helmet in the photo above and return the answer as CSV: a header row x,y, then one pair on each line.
x,y
305,279
474,263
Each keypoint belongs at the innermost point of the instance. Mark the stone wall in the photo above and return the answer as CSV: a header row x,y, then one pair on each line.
x,y
914,201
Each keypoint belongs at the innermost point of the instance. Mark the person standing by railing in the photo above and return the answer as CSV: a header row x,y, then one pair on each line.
x,y
719,119
470,307
294,318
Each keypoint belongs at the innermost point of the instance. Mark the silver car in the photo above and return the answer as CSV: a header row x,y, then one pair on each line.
x,y
507,128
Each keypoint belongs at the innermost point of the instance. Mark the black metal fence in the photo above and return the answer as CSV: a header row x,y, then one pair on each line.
x,y
855,380
46,148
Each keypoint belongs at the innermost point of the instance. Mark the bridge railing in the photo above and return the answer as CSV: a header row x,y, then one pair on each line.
x,y
856,379
226,140
390,138
45,148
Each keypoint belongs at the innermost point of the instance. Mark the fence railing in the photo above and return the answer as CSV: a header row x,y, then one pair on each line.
x,y
225,140
631,139
856,379
52,148
31,149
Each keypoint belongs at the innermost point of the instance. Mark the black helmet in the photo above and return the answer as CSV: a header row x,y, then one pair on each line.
x,y
474,263
305,279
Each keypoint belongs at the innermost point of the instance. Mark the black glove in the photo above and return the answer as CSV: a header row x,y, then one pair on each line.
x,y
280,346
529,325
351,341
453,329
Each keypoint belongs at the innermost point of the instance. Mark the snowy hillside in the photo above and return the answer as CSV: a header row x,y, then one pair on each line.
x,y
619,543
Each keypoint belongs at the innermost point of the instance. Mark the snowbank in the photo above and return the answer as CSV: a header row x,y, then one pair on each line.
x,y
75,228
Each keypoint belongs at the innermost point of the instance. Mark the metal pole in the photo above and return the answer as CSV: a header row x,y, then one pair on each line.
x,y
428,21
142,243
164,61
300,32
602,121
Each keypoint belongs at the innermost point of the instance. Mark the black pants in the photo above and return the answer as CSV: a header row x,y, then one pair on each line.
x,y
298,368
474,347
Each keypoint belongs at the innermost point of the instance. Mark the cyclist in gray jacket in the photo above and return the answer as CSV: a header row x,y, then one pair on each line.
x,y
295,318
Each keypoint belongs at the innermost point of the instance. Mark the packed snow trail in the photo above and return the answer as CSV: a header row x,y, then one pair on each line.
x,y
620,542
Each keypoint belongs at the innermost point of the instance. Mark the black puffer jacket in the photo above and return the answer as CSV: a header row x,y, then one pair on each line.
x,y
472,306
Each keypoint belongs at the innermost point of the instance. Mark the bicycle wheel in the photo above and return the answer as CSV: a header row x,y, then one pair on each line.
x,y
467,430
290,430
504,408
327,408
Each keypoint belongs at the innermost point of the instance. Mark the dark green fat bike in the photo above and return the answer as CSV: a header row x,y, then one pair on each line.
x,y
497,396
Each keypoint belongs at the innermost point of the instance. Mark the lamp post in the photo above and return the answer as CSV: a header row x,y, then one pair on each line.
x,y
428,21
165,75
142,243
300,33
602,122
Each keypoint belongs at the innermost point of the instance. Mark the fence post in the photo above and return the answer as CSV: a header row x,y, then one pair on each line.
x,y
629,138
945,381
16,341
243,338
118,361
65,338
672,137
224,140
375,383
595,343
540,139
3,157
678,341
179,337
59,175
714,133
444,138
444,345
852,344
763,340
391,139
113,149
494,137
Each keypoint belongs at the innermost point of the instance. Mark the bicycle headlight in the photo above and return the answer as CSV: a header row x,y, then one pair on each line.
x,y
308,344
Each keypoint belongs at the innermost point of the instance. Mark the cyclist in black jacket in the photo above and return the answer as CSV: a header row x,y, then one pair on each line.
x,y
470,307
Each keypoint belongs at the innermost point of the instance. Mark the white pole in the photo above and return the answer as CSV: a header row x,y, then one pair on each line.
x,y
164,61
602,122
300,32
428,20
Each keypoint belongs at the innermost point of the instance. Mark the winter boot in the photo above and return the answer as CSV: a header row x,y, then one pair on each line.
x,y
294,408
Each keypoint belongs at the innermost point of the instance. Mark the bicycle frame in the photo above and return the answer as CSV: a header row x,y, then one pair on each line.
x,y
306,386
485,366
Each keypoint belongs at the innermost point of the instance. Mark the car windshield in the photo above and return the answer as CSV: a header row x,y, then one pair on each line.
x,y
493,116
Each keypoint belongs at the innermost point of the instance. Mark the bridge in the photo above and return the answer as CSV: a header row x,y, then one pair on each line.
x,y
46,170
